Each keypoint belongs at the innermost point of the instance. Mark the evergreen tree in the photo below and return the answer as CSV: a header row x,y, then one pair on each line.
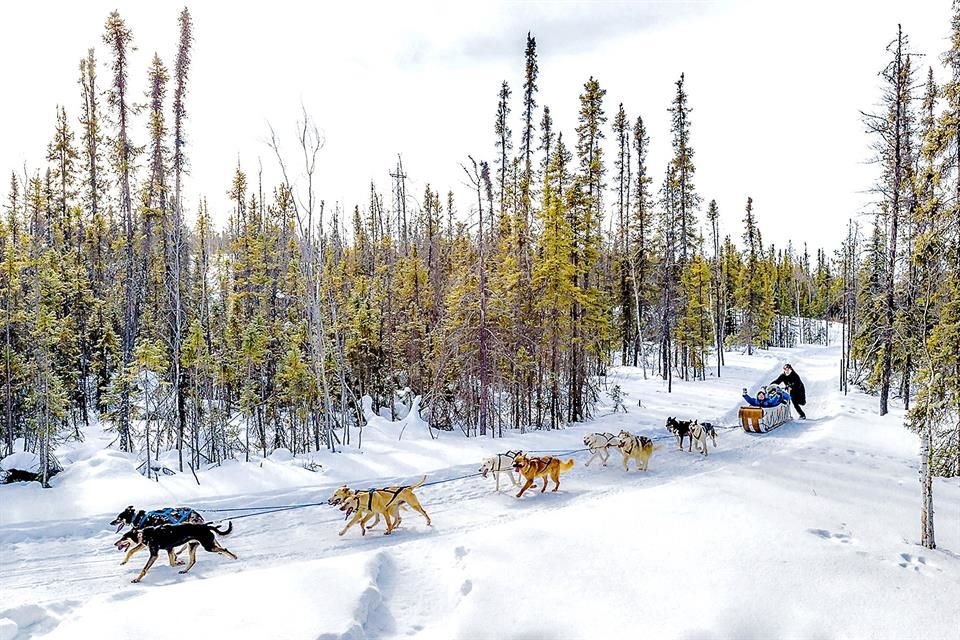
x,y
696,326
118,37
504,144
892,131
622,247
751,288
640,253
719,299
687,200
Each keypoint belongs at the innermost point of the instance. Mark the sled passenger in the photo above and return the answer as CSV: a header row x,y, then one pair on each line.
x,y
761,400
781,395
795,386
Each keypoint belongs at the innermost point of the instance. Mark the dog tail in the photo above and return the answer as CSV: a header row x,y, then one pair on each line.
x,y
223,533
566,466
422,480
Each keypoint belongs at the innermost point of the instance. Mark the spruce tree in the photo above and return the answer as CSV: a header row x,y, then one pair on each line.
x,y
504,144
751,289
118,38
892,131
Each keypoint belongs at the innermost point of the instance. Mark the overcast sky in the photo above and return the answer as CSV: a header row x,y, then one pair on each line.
x,y
776,88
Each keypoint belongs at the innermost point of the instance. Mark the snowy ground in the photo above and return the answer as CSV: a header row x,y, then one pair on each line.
x,y
810,531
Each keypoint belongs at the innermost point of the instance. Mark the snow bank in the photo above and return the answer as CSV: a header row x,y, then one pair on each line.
x,y
410,426
22,460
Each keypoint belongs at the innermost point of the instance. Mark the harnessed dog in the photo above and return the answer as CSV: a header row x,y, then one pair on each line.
x,y
711,432
141,519
599,445
699,435
500,463
532,468
681,429
640,448
384,503
169,536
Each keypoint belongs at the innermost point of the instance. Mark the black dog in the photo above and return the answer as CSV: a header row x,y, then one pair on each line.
x,y
170,536
140,519
681,429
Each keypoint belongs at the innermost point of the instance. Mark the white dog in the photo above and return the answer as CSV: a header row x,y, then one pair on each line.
x,y
500,463
700,435
599,445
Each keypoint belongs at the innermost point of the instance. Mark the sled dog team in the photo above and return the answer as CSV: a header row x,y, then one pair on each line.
x,y
185,528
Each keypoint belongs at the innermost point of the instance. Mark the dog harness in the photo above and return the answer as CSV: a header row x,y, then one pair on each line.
x,y
370,492
499,459
395,493
173,515
636,442
609,440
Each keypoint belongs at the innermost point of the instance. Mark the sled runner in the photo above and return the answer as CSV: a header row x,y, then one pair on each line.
x,y
757,420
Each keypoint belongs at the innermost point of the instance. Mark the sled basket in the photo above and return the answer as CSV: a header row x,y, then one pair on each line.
x,y
757,420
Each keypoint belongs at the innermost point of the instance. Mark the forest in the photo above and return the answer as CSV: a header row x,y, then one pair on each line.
x,y
124,304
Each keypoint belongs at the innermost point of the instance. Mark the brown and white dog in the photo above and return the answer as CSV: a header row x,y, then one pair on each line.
x,y
600,445
639,448
532,468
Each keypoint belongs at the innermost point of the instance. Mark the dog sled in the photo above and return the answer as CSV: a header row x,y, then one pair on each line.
x,y
762,420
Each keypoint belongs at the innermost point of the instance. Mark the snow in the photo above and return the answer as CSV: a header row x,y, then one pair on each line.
x,y
22,460
810,531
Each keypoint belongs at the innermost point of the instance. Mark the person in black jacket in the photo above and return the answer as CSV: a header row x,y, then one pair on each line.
x,y
794,385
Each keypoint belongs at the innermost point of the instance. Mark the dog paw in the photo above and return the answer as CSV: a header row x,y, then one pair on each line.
x,y
135,581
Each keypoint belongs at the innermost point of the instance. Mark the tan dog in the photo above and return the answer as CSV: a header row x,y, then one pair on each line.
x,y
364,505
640,448
374,503
532,468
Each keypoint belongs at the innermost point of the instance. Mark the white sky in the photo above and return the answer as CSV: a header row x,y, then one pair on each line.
x,y
776,88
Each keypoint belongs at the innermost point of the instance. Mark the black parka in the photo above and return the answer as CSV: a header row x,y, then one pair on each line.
x,y
794,385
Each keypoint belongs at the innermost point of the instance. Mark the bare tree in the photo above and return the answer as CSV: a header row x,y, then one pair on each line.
x,y
309,213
